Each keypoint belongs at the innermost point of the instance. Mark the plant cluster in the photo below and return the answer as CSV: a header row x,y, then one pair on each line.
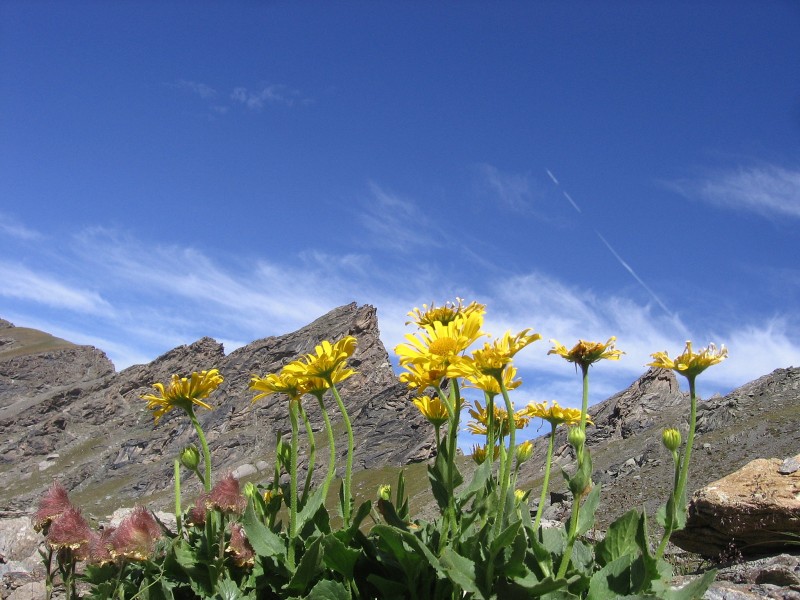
x,y
232,543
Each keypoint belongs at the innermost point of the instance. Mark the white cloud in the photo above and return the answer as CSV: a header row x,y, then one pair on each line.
x,y
394,223
272,94
204,91
513,190
21,283
10,227
767,190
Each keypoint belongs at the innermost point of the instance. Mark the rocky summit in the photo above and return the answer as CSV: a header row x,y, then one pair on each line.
x,y
66,414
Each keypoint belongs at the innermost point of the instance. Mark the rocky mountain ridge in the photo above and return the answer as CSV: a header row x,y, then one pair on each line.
x,y
65,413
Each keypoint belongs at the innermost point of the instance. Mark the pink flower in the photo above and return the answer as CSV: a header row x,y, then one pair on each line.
x,y
70,530
54,502
239,547
100,546
226,497
197,514
136,536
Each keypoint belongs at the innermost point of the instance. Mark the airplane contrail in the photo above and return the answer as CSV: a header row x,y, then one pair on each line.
x,y
616,255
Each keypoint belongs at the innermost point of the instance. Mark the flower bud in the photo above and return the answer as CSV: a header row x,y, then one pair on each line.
x,y
190,457
385,492
576,437
671,438
524,451
520,496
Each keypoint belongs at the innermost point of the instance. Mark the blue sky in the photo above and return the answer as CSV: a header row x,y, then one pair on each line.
x,y
170,170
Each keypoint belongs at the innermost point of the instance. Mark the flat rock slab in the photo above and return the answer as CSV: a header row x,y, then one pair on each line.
x,y
754,511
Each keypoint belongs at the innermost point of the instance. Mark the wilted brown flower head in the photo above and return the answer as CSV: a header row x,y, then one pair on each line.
x,y
136,536
197,514
54,502
226,497
70,530
239,547
100,546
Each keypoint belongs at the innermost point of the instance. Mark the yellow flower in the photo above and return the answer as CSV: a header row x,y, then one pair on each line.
x,y
585,353
327,362
284,382
555,415
524,451
481,423
439,344
432,409
443,314
479,453
422,376
183,392
493,358
475,379
690,363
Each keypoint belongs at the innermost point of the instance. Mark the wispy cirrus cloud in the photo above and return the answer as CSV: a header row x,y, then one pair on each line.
x,y
767,190
12,228
512,190
204,91
255,99
22,283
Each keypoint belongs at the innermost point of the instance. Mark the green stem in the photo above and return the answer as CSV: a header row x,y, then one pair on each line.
x,y
672,506
505,475
331,447
312,455
178,510
576,500
546,482
293,405
204,444
687,454
348,472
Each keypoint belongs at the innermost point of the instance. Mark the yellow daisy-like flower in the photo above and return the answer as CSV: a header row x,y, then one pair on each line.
x,y
432,409
481,423
479,453
690,363
423,376
473,378
284,382
585,353
183,392
444,314
493,358
327,362
555,415
440,344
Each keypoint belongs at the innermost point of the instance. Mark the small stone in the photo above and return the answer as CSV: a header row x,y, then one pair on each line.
x,y
789,466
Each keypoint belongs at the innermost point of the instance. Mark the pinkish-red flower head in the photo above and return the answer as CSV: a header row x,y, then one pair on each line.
x,y
70,530
100,546
239,547
226,497
54,502
197,514
136,536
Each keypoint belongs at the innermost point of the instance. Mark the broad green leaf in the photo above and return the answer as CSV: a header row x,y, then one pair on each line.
x,y
694,590
308,568
504,538
312,506
620,538
264,541
613,580
588,508
461,571
339,557
327,589
538,587
228,590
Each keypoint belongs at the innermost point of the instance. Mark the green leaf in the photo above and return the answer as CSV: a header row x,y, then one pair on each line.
x,y
438,474
588,508
620,538
694,590
505,538
308,569
228,590
327,589
339,557
461,571
613,580
312,506
538,587
264,541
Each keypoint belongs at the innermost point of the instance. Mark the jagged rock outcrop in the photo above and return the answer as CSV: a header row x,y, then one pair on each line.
x,y
65,414
753,511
